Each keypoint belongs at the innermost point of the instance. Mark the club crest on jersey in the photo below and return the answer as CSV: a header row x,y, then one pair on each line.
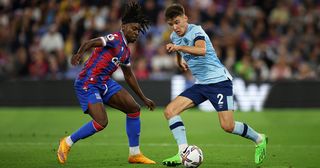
x,y
198,34
116,61
97,96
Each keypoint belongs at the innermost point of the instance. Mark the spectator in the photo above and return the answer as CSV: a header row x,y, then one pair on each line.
x,y
162,64
280,70
254,29
38,68
261,70
280,14
5,64
264,52
243,68
54,70
52,41
305,72
21,63
141,69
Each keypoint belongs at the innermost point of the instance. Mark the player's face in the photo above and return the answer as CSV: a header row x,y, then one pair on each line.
x,y
179,24
131,31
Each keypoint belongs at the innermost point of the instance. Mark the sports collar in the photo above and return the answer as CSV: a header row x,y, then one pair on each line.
x,y
123,37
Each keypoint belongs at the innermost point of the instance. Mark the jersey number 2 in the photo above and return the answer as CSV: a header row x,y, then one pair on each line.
x,y
220,97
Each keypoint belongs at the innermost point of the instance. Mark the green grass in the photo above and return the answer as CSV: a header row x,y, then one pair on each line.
x,y
29,138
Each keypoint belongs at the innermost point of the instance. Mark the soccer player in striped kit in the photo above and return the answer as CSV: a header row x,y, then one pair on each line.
x,y
94,86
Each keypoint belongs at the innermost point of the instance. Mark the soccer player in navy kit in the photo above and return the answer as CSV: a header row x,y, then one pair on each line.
x,y
213,82
94,86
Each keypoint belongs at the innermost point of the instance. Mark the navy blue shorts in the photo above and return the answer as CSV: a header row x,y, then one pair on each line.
x,y
96,93
219,94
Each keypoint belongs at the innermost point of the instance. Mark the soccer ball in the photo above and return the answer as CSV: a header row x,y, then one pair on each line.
x,y
192,156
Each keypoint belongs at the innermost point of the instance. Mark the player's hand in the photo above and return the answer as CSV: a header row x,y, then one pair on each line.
x,y
172,47
75,60
150,104
183,66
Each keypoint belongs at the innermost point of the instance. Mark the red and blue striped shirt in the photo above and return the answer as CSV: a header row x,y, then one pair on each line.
x,y
105,60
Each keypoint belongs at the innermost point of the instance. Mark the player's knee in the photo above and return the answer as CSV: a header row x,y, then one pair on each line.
x,y
100,124
136,109
132,109
228,127
105,123
134,115
169,112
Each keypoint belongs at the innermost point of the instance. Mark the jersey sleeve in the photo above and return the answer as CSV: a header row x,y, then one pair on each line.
x,y
173,38
127,62
197,34
110,40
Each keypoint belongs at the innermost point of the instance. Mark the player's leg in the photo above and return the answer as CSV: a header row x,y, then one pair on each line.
x,y
228,124
124,102
99,122
235,127
91,103
221,97
187,99
172,114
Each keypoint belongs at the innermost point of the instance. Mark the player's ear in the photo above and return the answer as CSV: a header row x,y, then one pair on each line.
x,y
186,18
123,26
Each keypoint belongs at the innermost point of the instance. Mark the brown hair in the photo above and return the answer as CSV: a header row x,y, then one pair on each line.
x,y
173,11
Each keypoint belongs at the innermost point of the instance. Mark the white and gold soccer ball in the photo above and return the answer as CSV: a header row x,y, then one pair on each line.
x,y
192,156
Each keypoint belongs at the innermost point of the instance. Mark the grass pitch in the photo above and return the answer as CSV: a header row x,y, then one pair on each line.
x,y
29,138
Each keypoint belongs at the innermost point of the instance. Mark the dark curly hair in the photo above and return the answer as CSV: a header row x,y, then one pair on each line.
x,y
134,14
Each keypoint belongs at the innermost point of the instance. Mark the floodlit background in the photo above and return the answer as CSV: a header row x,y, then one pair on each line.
x,y
271,48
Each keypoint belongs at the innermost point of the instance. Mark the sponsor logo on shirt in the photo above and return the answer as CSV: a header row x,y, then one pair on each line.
x,y
97,96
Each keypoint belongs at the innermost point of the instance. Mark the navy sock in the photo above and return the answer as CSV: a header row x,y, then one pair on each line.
x,y
179,132
246,131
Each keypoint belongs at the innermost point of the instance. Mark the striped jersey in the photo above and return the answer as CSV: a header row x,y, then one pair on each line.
x,y
105,60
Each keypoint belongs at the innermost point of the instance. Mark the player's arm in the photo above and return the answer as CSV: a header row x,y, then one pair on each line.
x,y
132,82
96,42
181,63
199,48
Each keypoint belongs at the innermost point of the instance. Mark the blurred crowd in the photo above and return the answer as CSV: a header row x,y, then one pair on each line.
x,y
267,40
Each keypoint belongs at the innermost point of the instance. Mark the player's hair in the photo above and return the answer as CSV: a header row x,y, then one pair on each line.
x,y
134,14
173,11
